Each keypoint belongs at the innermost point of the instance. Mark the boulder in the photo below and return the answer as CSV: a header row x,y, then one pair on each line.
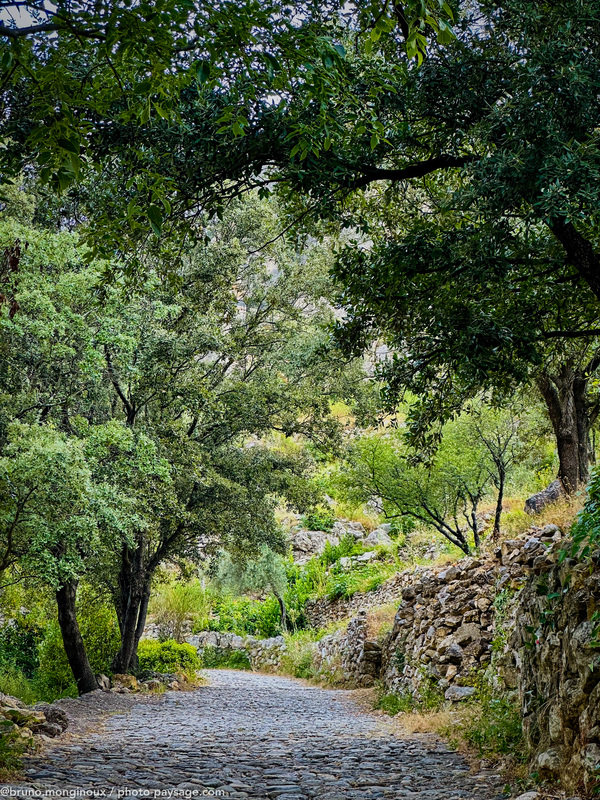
x,y
378,537
53,714
125,681
458,693
370,555
450,574
539,501
103,682
50,729
549,762
11,702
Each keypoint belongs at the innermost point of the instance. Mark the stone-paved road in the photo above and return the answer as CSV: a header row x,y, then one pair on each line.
x,y
259,736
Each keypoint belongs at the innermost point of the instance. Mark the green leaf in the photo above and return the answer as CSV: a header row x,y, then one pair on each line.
x,y
203,72
272,62
70,145
143,87
6,60
156,219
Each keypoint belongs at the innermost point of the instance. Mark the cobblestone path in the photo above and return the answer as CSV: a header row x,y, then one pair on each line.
x,y
257,736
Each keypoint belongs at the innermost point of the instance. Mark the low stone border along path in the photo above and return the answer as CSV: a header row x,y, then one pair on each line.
x,y
255,736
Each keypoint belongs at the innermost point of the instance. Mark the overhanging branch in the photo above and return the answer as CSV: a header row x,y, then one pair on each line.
x,y
419,170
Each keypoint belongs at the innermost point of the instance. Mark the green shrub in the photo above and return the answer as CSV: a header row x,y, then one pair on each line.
x,y
169,656
339,588
54,678
100,633
394,704
215,658
495,726
348,546
321,519
175,604
243,615
11,749
16,684
297,659
430,698
586,529
304,668
19,641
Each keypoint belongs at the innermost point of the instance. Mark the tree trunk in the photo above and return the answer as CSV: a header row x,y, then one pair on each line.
x,y
499,501
283,612
72,641
131,606
565,395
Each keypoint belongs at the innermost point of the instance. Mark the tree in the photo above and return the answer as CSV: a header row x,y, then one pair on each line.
x,y
444,493
46,525
470,313
70,73
171,391
266,573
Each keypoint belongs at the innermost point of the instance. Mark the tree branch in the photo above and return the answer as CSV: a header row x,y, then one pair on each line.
x,y
580,252
418,170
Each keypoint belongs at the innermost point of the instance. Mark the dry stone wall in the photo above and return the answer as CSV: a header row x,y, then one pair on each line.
x,y
531,622
551,659
349,656
264,654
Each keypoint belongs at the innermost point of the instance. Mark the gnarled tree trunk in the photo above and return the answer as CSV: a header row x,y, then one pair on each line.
x,y
72,641
565,395
131,606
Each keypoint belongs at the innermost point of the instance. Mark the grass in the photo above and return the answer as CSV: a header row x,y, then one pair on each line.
x,y
15,684
380,621
297,661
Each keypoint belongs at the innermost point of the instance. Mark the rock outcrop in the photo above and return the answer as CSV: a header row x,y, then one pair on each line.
x,y
306,544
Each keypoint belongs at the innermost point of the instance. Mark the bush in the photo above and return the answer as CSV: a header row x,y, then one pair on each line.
x,y
101,636
586,529
176,604
495,726
321,519
100,633
54,678
297,660
215,658
242,615
339,588
11,749
19,641
169,656
394,704
431,698
348,546
16,684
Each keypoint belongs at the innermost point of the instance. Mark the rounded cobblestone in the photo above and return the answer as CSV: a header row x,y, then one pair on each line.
x,y
261,737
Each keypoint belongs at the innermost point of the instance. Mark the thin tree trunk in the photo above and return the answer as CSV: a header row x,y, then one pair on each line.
x,y
283,612
72,641
129,601
499,501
